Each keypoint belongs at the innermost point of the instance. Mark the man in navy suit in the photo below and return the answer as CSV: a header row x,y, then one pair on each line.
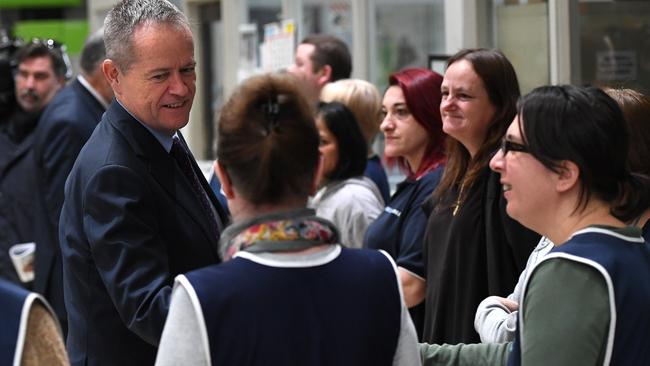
x,y
63,129
134,216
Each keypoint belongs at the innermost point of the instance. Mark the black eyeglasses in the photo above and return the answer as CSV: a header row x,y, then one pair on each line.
x,y
507,145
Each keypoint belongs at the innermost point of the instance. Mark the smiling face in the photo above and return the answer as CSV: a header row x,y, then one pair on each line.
x,y
528,186
403,135
158,88
328,147
466,109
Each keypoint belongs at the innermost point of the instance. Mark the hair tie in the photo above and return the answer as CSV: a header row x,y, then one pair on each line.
x,y
271,111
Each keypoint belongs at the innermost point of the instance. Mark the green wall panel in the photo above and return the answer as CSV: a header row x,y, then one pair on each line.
x,y
38,3
72,33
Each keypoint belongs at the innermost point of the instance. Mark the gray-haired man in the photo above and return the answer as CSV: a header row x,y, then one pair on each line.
x,y
135,214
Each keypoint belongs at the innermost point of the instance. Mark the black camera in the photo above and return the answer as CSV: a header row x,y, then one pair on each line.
x,y
8,47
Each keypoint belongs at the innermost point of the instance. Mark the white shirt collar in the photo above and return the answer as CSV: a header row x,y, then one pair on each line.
x,y
92,91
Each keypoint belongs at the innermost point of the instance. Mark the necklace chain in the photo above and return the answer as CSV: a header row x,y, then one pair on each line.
x,y
459,199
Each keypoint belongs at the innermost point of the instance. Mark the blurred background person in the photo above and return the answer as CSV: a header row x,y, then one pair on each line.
x,y
320,59
287,292
413,137
363,99
636,109
473,249
40,74
348,199
63,129
564,171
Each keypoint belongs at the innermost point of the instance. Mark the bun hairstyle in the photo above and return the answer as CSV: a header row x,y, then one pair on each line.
x,y
267,140
585,126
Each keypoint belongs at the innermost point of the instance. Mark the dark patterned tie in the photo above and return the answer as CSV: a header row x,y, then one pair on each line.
x,y
182,157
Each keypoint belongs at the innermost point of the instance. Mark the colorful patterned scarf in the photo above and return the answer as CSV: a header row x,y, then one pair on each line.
x,y
286,231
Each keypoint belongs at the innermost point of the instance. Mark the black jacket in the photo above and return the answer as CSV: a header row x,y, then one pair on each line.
x,y
63,129
130,223
17,185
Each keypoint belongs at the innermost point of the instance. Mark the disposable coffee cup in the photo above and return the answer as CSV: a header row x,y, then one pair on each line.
x,y
22,256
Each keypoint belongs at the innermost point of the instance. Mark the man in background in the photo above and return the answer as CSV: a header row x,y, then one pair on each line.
x,y
63,129
39,76
320,59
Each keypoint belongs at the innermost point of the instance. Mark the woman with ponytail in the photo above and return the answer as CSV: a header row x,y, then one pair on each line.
x,y
287,292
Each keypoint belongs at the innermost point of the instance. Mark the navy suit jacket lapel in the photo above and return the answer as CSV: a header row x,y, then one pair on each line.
x,y
21,149
92,104
161,166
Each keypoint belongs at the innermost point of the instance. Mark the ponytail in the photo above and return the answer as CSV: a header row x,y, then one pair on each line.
x,y
633,198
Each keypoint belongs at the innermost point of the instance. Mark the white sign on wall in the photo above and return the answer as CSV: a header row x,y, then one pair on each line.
x,y
279,44
616,65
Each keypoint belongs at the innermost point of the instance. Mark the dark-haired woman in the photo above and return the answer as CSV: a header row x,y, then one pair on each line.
x,y
472,248
496,317
413,137
287,292
564,174
347,198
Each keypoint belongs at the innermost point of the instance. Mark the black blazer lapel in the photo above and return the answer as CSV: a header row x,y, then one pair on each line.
x,y
91,103
161,166
21,150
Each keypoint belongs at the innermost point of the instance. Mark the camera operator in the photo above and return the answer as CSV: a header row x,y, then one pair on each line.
x,y
39,75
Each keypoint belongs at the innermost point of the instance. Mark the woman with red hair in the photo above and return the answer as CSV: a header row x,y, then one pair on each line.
x,y
413,137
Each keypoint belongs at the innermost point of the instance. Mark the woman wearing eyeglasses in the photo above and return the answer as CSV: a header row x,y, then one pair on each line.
x,y
496,317
564,172
472,249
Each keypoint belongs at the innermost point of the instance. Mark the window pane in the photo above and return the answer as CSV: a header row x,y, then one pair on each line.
x,y
403,35
331,17
522,35
615,44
